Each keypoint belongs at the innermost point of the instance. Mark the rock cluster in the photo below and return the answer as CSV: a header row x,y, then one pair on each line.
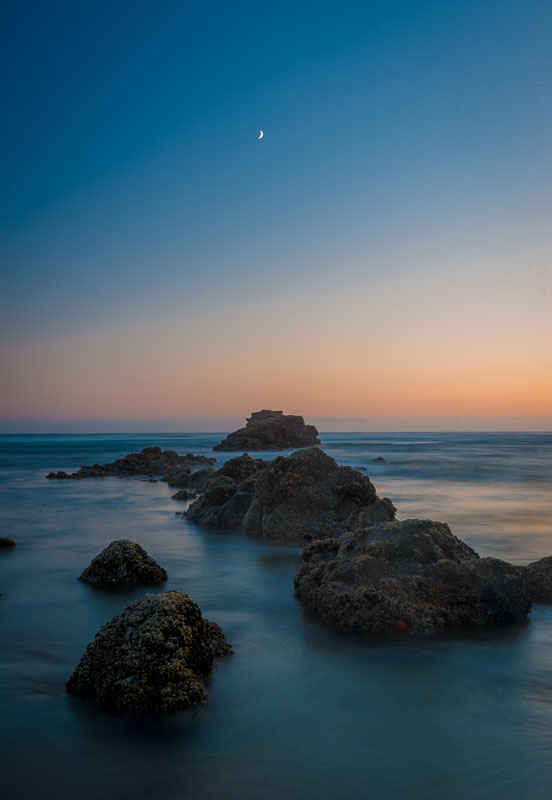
x,y
300,497
271,430
152,657
408,576
123,563
6,544
149,461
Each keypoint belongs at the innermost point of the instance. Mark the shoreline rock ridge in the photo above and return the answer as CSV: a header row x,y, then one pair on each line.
x,y
150,461
411,576
271,430
152,657
300,497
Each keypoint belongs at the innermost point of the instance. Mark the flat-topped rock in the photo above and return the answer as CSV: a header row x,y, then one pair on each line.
x,y
123,563
149,461
152,657
271,430
413,576
300,497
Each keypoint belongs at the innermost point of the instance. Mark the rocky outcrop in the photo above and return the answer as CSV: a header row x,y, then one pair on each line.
x,y
539,580
152,657
300,497
183,494
6,544
412,576
271,430
123,563
149,461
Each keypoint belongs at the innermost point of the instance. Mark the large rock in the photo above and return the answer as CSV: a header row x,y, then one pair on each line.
x,y
153,656
271,430
149,461
123,563
539,580
300,497
408,576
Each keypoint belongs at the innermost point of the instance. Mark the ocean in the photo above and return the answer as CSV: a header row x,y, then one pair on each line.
x,y
299,710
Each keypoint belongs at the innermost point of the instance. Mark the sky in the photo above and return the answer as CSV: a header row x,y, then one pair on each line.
x,y
380,260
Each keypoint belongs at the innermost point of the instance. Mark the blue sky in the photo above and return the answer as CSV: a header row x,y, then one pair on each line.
x,y
407,144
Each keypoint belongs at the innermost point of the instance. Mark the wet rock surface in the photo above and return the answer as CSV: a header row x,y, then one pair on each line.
x,y
271,430
149,461
300,497
152,657
539,580
123,563
183,494
413,576
6,544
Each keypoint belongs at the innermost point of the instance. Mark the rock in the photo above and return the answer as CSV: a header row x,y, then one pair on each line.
x,y
271,430
378,460
300,497
539,580
149,461
413,576
6,544
123,563
183,494
152,657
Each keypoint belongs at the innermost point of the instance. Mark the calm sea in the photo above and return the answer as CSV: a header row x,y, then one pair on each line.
x,y
299,711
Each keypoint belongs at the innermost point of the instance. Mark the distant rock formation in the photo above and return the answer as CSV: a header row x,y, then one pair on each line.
x,y
149,461
271,430
300,497
412,576
123,563
152,657
6,544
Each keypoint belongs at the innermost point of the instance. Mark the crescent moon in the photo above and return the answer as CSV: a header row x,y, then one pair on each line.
x,y
261,134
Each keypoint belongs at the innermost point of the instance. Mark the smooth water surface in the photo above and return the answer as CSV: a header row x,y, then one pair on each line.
x,y
298,710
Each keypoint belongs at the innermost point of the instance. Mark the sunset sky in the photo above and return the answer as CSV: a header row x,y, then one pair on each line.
x,y
380,260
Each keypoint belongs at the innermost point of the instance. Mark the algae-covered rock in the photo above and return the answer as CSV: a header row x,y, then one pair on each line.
x,y
300,497
539,580
123,563
411,576
152,657
271,430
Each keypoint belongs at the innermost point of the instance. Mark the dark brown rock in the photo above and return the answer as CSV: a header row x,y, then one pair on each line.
x,y
152,657
6,544
271,430
412,576
149,461
300,497
123,563
539,580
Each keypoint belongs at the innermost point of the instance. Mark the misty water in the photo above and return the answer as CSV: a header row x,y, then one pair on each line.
x,y
298,710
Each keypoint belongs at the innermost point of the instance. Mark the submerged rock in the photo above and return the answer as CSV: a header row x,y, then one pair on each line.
x,y
271,430
408,576
539,580
152,657
6,544
300,497
378,460
149,461
123,563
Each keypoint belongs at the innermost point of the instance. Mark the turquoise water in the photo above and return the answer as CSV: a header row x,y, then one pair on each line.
x,y
298,710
